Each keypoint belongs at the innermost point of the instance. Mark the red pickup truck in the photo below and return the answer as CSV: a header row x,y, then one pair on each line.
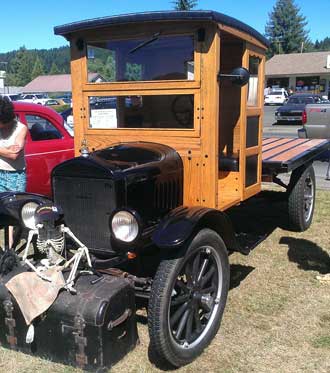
x,y
48,143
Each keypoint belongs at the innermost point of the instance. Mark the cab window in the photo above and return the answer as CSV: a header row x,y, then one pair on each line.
x,y
142,111
155,57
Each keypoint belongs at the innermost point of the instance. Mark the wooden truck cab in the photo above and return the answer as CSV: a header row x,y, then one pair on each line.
x,y
166,86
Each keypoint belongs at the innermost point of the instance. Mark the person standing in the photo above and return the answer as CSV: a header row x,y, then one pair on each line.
x,y
12,159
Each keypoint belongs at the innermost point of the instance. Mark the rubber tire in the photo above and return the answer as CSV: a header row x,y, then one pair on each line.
x,y
296,216
160,341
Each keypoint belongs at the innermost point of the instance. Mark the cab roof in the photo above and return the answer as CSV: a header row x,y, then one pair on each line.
x,y
125,19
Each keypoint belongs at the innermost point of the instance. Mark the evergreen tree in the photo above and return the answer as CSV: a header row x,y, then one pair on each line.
x,y
184,4
322,45
22,66
38,68
54,70
286,29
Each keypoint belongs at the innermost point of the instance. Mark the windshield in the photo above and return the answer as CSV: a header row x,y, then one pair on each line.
x,y
301,100
155,57
275,94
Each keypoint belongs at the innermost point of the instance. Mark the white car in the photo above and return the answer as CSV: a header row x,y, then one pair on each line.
x,y
276,97
40,99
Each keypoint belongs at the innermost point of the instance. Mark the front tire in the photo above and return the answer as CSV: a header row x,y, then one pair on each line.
x,y
301,199
188,298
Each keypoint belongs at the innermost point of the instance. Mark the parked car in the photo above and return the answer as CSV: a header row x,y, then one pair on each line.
x,y
12,96
57,104
294,108
40,99
48,144
276,97
66,100
54,102
316,123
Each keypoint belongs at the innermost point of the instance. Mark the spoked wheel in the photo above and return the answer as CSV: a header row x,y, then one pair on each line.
x,y
301,198
188,298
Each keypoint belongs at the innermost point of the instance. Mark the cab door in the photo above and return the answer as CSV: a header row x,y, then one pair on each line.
x,y
252,119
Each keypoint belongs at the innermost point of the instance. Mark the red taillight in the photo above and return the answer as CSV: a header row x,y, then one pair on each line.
x,y
304,117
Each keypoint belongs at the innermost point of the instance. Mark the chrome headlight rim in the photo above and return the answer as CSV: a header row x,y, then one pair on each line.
x,y
27,214
138,222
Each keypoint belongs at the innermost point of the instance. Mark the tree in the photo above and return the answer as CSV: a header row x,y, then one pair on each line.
x,y
54,70
322,45
21,65
38,68
286,29
184,4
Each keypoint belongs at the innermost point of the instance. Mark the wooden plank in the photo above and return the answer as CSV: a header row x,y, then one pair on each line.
x,y
276,144
252,151
228,189
268,154
244,96
78,76
106,87
210,117
192,195
184,146
268,140
242,35
291,153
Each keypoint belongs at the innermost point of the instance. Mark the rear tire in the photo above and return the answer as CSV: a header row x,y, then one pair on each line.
x,y
301,198
187,300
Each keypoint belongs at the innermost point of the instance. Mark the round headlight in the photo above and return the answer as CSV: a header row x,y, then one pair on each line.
x,y
27,214
125,226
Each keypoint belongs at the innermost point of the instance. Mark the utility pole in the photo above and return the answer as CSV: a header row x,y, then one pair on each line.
x,y
302,47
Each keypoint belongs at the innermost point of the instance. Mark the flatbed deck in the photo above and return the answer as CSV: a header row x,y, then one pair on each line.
x,y
281,155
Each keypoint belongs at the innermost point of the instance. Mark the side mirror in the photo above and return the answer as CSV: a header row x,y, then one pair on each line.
x,y
239,76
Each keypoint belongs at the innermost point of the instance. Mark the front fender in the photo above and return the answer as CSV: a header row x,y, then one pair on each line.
x,y
11,204
180,224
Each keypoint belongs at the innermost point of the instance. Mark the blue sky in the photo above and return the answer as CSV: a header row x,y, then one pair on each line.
x,y
30,23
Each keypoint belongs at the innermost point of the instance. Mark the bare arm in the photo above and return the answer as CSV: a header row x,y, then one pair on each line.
x,y
12,151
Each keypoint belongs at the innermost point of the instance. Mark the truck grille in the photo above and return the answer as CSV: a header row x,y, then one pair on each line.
x,y
87,205
168,194
290,113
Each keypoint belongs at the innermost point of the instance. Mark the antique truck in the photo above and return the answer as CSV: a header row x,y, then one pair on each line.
x,y
167,141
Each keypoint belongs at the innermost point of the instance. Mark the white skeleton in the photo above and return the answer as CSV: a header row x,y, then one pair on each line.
x,y
54,249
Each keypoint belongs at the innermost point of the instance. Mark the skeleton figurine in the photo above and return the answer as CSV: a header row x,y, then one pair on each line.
x,y
51,241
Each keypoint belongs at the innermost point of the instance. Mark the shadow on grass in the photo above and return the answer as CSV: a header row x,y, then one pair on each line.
x,y
308,255
238,273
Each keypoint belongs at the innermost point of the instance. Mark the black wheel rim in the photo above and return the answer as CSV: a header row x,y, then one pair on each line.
x,y
308,198
195,297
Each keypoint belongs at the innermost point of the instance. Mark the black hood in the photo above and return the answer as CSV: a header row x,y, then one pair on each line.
x,y
122,161
292,108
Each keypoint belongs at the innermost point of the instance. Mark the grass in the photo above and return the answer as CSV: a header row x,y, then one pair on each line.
x,y
277,317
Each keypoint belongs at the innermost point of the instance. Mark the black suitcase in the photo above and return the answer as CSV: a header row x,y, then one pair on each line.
x,y
92,330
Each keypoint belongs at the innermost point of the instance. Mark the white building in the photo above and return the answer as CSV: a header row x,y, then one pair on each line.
x,y
301,72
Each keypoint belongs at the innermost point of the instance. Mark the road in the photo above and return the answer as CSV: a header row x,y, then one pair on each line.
x,y
284,130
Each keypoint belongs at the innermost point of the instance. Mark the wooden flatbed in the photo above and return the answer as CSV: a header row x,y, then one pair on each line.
x,y
281,155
